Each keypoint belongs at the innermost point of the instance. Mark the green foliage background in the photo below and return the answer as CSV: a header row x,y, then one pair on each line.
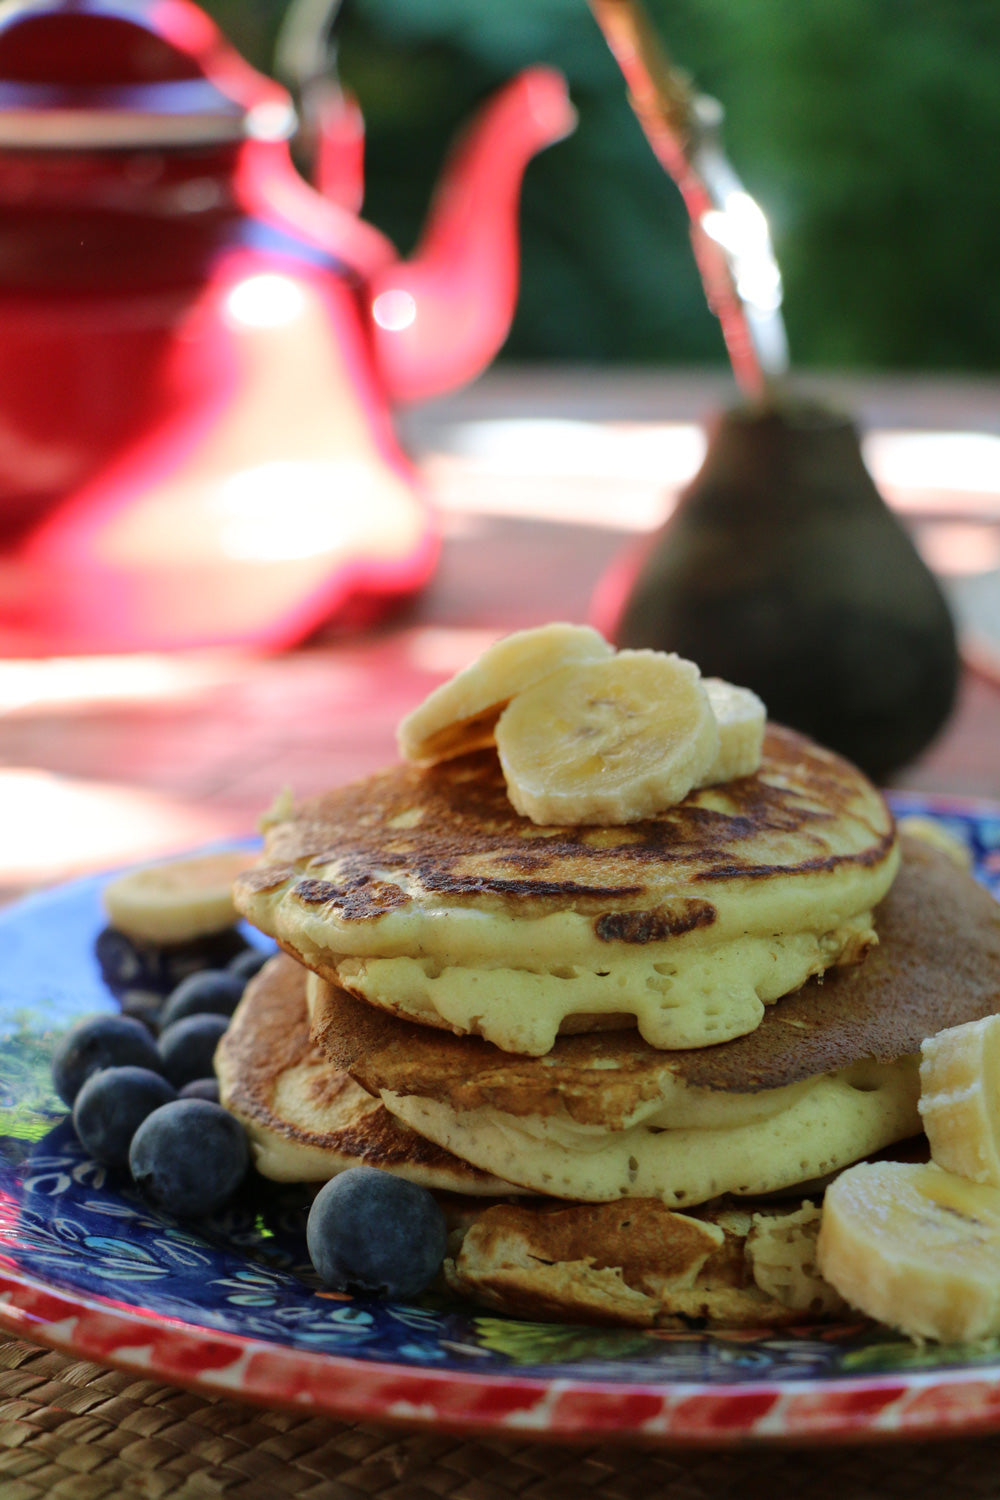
x,y
867,129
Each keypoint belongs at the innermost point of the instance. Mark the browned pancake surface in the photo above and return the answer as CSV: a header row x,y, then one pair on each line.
x,y
453,835
268,1037
639,1263
937,964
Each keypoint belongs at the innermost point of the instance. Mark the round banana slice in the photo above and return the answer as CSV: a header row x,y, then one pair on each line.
x,y
915,1247
960,1098
460,715
608,741
741,718
938,836
176,899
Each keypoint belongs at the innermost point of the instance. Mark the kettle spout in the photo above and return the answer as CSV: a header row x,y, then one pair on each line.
x,y
440,317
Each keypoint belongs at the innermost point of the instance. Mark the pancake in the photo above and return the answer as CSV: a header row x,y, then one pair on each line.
x,y
637,1264
828,1077
307,1121
641,1264
423,892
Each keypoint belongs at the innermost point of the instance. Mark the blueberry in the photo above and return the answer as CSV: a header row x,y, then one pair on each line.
x,y
201,1088
248,963
144,1006
121,961
371,1232
128,963
97,1042
188,1046
189,1156
212,992
111,1106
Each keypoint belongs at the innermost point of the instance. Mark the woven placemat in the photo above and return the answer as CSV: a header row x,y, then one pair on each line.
x,y
70,1430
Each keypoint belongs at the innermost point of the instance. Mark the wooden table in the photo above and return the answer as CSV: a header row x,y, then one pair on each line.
x,y
103,762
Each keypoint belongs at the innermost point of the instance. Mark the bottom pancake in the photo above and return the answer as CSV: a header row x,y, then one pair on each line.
x,y
641,1264
728,1264
306,1120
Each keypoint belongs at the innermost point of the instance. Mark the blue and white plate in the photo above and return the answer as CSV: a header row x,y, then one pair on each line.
x,y
231,1303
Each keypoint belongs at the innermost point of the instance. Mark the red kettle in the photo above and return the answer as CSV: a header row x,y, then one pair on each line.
x,y
199,352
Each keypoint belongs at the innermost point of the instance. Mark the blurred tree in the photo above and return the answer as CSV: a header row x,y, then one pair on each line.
x,y
865,128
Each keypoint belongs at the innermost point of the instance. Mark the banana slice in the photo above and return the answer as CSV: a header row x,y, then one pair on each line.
x,y
741,717
607,741
280,811
938,836
177,899
914,1247
960,1099
460,715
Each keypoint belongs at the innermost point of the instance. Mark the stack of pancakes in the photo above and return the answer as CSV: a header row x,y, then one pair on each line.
x,y
627,1057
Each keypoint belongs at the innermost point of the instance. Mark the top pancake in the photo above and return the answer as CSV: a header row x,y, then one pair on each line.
x,y
937,964
422,890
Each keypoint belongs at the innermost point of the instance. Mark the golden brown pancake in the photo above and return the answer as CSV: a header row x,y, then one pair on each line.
x,y
641,1264
732,1263
423,892
637,1264
937,964
827,1078
307,1120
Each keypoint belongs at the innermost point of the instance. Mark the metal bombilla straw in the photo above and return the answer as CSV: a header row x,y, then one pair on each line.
x,y
729,233
331,136
781,567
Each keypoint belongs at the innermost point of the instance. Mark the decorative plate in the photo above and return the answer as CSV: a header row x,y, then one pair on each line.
x,y
230,1305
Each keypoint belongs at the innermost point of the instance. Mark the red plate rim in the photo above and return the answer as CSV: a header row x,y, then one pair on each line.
x,y
919,1404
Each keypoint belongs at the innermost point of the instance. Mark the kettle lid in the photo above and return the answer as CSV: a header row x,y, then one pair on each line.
x,y
99,74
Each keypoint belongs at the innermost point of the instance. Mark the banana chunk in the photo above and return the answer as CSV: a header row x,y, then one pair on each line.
x,y
461,714
177,899
741,718
960,1099
915,1247
609,741
938,837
